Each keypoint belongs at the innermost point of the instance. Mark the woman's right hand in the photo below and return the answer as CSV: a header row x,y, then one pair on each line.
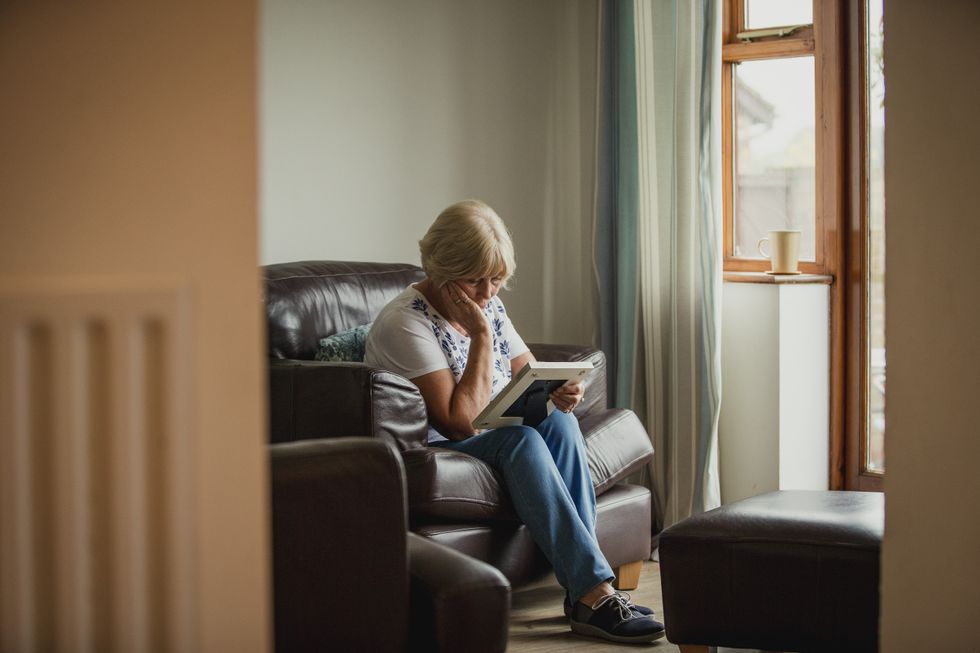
x,y
462,310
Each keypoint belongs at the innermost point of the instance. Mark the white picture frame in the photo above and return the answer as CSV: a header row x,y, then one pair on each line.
x,y
526,388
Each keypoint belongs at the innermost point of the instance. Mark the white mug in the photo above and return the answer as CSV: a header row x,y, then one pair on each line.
x,y
785,254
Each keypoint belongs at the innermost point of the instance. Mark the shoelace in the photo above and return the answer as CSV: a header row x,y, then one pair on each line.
x,y
620,603
626,595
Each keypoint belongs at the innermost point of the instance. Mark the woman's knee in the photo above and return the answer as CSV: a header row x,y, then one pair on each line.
x,y
523,437
564,421
561,427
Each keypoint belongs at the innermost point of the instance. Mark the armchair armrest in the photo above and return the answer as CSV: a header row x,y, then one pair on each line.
x,y
338,534
459,603
595,383
314,400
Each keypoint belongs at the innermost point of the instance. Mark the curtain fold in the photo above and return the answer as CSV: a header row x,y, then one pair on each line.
x,y
615,232
657,236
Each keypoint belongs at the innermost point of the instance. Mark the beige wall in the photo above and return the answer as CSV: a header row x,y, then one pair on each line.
x,y
931,568
128,155
375,115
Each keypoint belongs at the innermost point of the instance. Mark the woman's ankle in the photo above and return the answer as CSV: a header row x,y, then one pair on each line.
x,y
596,593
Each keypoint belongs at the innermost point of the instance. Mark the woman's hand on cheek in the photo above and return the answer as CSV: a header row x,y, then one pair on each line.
x,y
462,309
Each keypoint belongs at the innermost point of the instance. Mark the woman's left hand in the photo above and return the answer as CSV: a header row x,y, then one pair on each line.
x,y
568,397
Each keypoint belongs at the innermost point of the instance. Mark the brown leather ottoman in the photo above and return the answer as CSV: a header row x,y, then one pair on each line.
x,y
784,571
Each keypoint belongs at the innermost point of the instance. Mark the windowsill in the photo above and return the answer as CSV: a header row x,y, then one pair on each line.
x,y
762,277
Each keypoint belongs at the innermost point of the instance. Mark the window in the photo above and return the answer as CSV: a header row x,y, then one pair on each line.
x,y
874,170
802,141
760,14
781,133
865,352
773,167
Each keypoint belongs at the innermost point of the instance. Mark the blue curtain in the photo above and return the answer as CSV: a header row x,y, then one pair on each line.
x,y
616,246
657,236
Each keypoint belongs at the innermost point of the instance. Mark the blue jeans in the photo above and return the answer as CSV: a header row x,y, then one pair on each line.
x,y
546,472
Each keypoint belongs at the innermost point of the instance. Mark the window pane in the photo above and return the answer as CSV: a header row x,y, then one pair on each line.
x,y
876,241
777,13
774,165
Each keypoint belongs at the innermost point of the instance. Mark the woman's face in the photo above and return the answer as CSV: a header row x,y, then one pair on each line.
x,y
481,290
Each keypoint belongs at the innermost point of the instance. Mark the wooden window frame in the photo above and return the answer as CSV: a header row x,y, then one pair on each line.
x,y
822,40
853,443
840,223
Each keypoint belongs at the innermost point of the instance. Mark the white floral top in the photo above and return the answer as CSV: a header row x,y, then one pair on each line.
x,y
411,339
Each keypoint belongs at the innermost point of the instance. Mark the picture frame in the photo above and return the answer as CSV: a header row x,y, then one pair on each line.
x,y
525,399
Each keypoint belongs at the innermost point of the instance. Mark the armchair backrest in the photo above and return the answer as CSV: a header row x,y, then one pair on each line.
x,y
308,300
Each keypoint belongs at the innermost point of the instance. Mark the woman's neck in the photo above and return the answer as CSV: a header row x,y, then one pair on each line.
x,y
431,294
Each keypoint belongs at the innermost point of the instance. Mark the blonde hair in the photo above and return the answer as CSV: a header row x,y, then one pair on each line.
x,y
467,241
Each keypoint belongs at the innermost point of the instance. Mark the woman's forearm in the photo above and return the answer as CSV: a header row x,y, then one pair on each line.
x,y
472,393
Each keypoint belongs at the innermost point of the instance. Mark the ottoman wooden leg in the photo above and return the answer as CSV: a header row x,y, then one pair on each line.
x,y
692,648
628,576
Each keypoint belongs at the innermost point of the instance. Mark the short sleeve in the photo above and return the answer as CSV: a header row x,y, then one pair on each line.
x,y
404,346
517,344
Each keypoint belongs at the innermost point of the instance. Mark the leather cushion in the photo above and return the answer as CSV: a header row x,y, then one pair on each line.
x,y
618,445
623,516
837,519
450,485
446,485
309,300
622,529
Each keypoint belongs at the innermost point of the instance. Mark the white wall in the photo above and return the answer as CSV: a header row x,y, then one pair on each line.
x,y
748,457
804,393
930,566
376,115
773,432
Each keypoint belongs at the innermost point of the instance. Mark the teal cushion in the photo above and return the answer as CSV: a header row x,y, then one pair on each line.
x,y
344,346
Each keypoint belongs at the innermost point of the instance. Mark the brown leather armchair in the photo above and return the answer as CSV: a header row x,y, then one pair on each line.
x,y
453,498
347,574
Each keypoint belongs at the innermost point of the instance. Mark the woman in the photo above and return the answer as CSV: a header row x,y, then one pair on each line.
x,y
451,336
